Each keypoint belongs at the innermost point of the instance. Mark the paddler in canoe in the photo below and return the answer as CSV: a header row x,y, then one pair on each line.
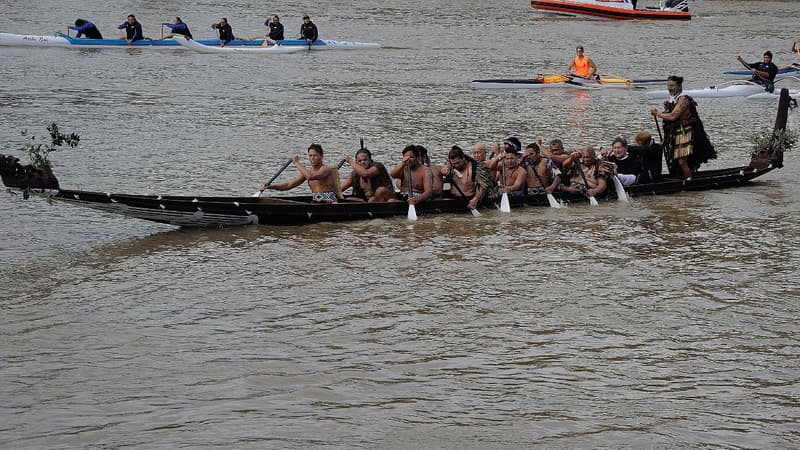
x,y
416,180
322,179
369,179
685,141
85,29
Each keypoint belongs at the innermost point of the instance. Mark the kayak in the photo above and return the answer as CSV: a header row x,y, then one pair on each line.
x,y
202,48
793,69
555,80
746,89
613,81
62,40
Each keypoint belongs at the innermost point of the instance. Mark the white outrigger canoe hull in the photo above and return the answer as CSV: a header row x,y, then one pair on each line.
x,y
746,89
271,50
60,40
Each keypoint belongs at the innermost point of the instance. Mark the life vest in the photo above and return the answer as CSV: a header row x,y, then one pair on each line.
x,y
582,68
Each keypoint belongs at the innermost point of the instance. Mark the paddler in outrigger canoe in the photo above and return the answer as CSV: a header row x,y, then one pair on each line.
x,y
764,71
85,29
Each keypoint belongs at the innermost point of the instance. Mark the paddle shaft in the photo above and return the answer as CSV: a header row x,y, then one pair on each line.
x,y
536,173
585,181
458,188
275,176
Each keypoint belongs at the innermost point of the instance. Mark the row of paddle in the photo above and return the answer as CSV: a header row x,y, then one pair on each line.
x,y
505,204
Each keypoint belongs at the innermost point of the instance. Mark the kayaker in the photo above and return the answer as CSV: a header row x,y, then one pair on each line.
x,y
176,27
86,29
583,65
685,140
133,29
763,71
274,30
322,179
308,31
224,30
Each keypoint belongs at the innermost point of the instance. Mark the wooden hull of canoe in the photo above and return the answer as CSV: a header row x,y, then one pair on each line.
x,y
607,12
238,211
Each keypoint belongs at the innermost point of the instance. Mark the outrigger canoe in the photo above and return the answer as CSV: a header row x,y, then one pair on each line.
x,y
613,9
198,211
555,80
61,40
740,88
271,50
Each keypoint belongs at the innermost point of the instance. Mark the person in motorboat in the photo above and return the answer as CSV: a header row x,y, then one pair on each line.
x,y
629,166
308,31
651,155
322,179
583,65
763,71
224,30
538,170
177,27
416,180
86,29
685,140
585,175
274,33
369,179
133,29
468,178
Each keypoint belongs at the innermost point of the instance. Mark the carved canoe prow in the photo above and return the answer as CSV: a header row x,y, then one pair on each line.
x,y
15,175
762,158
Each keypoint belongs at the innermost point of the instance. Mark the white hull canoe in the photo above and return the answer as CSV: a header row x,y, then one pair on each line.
x,y
272,50
26,40
746,89
60,40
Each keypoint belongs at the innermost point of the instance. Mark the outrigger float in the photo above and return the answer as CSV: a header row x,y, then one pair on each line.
x,y
199,211
615,9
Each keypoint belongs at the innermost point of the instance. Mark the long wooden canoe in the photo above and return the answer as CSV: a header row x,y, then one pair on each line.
x,y
199,211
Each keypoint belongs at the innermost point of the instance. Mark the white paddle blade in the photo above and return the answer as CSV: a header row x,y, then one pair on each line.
x,y
505,206
593,201
553,202
621,194
475,212
412,213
